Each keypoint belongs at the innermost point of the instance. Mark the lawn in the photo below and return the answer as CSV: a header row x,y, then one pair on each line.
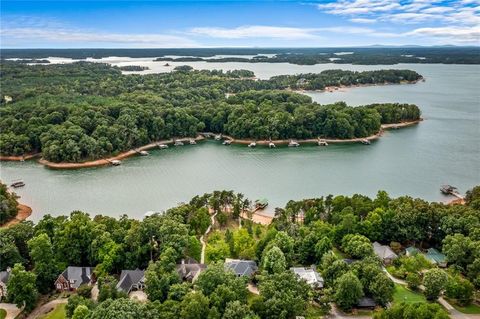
x,y
402,294
57,313
3,313
470,309
313,312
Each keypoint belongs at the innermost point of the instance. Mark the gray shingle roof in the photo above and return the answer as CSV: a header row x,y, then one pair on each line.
x,y
4,275
241,267
310,275
383,252
130,278
77,276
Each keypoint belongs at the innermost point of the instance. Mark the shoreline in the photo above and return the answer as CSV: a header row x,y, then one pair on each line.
x,y
342,88
23,212
200,137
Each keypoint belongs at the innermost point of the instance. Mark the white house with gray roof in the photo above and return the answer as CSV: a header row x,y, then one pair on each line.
x,y
4,276
385,253
310,275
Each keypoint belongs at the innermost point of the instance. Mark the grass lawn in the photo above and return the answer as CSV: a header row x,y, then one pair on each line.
x,y
470,309
402,294
313,312
57,313
3,313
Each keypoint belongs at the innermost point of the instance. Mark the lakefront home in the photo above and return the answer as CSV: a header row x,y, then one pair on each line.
x,y
73,277
131,280
241,267
385,253
436,257
310,275
189,269
4,276
411,251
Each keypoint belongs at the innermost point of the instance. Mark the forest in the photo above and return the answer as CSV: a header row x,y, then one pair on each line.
x,y
8,204
333,233
301,56
81,111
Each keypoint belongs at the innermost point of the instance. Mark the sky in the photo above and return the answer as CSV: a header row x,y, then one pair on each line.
x,y
185,24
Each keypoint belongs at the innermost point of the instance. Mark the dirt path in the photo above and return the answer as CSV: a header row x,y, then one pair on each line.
x,y
202,239
24,212
46,308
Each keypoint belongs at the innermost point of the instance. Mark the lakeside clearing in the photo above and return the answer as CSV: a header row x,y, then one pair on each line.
x,y
23,212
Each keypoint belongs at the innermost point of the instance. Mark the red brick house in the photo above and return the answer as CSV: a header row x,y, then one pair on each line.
x,y
73,277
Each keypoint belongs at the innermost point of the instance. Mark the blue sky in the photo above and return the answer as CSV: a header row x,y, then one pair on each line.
x,y
162,24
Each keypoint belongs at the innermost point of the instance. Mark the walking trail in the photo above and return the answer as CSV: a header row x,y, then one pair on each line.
x,y
202,239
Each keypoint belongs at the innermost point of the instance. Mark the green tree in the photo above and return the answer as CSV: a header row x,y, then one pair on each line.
x,y
237,310
274,261
118,308
413,280
418,310
81,312
434,281
45,267
382,289
348,291
194,306
460,289
21,288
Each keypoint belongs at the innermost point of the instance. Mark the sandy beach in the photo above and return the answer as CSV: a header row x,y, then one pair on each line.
x,y
19,158
24,212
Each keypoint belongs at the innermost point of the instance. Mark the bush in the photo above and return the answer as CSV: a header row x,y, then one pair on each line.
x,y
460,289
85,291
413,281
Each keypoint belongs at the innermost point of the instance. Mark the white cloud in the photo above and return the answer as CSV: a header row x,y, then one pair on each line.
x,y
363,20
457,34
79,36
256,31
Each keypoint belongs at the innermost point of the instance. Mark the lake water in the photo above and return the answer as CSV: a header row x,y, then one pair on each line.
x,y
415,161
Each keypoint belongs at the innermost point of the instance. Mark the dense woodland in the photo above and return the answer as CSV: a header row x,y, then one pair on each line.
x,y
8,204
333,232
302,56
80,111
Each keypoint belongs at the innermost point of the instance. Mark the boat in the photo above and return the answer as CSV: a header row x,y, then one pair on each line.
x,y
143,153
178,143
448,189
17,183
271,145
218,137
252,144
162,146
293,144
166,64
116,162
227,142
322,143
192,142
366,142
261,203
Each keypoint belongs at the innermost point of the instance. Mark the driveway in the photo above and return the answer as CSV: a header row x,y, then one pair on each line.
x,y
46,308
11,309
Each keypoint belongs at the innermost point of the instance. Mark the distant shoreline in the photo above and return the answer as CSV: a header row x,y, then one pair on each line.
x,y
126,154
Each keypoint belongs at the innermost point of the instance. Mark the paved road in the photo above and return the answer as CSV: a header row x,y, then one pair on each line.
x,y
11,309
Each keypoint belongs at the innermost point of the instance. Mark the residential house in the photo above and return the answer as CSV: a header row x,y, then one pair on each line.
x,y
131,280
436,257
366,303
310,275
385,253
73,277
241,267
411,251
189,269
4,276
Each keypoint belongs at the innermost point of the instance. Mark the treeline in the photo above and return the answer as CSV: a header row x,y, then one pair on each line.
x,y
8,204
132,68
84,111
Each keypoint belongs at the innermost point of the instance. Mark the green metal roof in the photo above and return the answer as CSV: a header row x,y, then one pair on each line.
x,y
435,256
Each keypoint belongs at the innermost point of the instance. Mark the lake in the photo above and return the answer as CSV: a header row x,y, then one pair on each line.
x,y
415,161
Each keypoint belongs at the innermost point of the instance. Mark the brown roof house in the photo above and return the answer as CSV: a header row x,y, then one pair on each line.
x,y
385,253
189,269
4,276
73,277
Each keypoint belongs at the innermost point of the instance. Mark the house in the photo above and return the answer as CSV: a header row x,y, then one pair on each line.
x,y
366,303
4,276
384,252
436,257
241,267
310,275
131,280
189,269
411,251
73,277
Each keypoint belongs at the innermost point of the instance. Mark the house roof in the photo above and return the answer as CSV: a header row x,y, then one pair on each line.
x,y
366,302
4,276
435,256
310,275
128,278
412,250
189,268
241,267
77,276
383,251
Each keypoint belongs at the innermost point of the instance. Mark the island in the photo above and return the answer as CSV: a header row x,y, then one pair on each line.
x,y
211,258
90,113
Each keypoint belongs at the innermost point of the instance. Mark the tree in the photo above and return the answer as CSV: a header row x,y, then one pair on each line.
x,y
434,281
21,288
413,281
199,220
273,260
81,312
160,275
460,250
45,267
460,289
282,296
119,308
357,246
348,291
417,310
382,289
194,306
237,310
76,301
